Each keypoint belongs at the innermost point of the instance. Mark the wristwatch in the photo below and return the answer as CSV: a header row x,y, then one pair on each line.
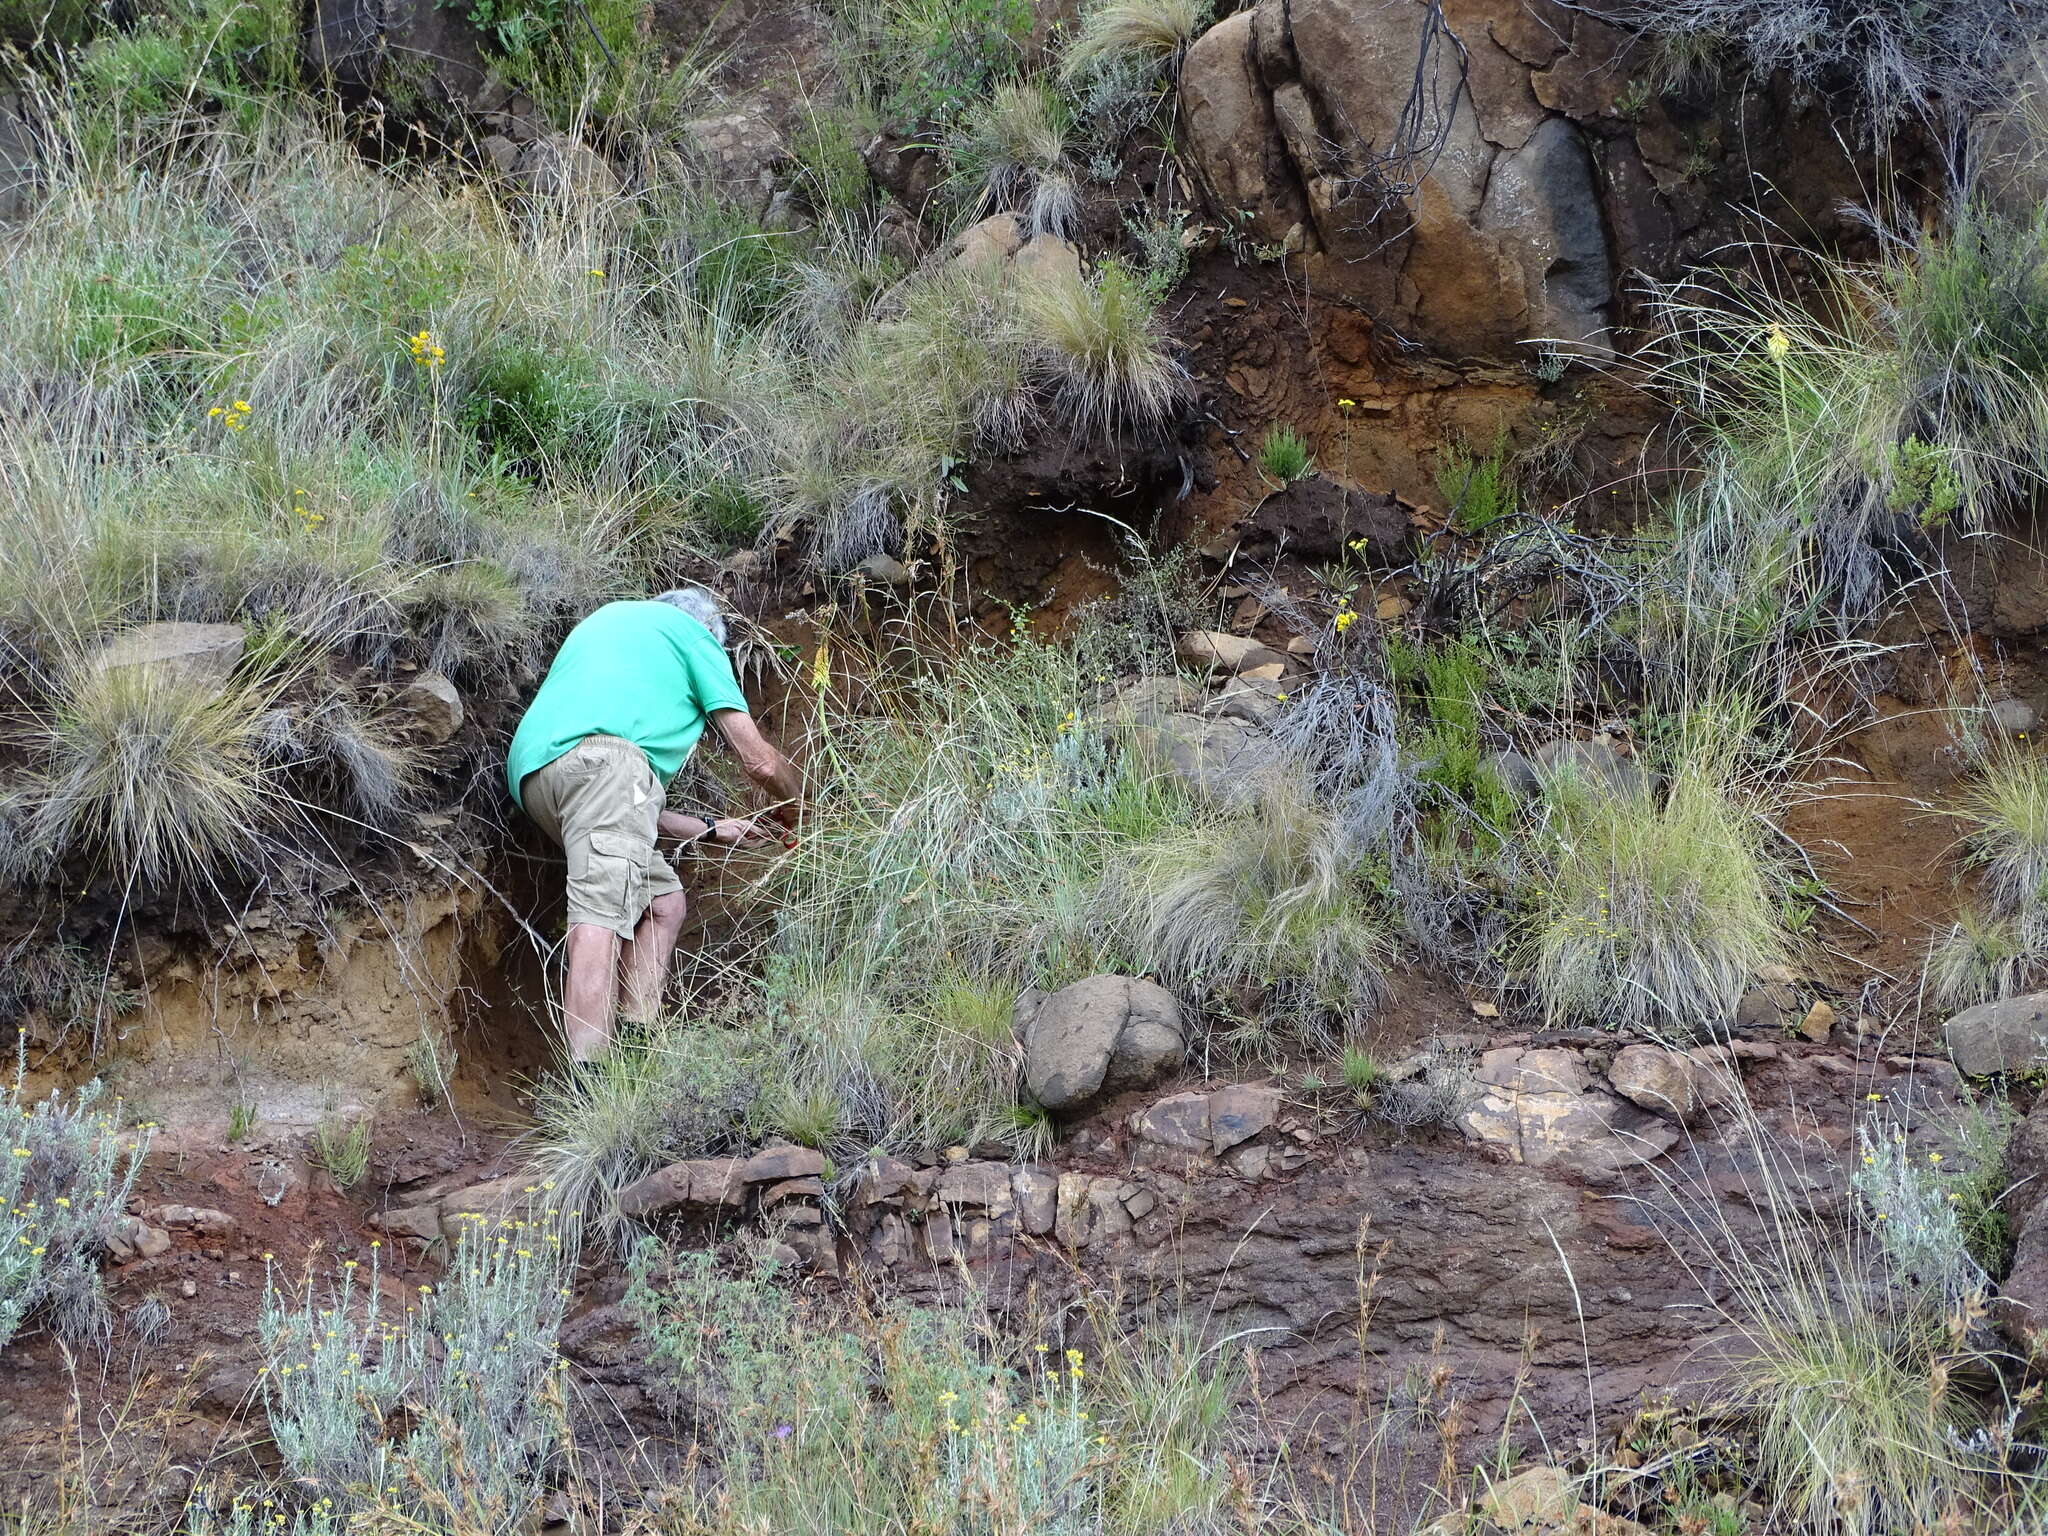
x,y
710,827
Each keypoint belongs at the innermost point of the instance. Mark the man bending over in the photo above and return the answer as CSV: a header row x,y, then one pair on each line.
x,y
614,721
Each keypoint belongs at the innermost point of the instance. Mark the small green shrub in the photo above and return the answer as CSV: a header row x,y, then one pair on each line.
x,y
431,1061
1284,455
927,61
920,1420
1478,488
65,1176
341,1149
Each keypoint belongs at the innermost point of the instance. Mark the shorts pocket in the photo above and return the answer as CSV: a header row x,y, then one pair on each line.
x,y
614,880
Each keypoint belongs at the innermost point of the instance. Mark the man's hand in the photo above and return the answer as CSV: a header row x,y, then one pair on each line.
x,y
767,767
733,830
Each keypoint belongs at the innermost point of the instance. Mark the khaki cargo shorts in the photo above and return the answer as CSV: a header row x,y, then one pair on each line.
x,y
599,800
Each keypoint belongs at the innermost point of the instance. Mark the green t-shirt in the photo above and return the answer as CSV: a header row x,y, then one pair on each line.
x,y
646,671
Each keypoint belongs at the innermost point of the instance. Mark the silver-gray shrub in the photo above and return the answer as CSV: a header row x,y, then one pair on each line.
x,y
472,1360
65,1177
1901,57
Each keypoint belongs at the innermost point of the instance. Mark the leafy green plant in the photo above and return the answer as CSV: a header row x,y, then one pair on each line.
x,y
1284,455
341,1149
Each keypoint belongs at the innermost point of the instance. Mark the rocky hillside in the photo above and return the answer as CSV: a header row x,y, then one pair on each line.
x,y
1413,631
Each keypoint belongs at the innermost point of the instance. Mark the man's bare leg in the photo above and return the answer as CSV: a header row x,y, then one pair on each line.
x,y
643,970
591,992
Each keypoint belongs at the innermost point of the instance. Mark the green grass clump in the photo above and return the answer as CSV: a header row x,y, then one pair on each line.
x,y
1277,899
1479,489
1284,455
1099,342
1978,958
2005,816
904,1419
1647,916
1112,31
157,772
1010,151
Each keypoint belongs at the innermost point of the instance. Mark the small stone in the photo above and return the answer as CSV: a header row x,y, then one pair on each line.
x,y
771,1165
198,1218
984,1184
432,706
1250,1161
885,570
1180,1121
1819,1020
130,1238
1240,1112
1140,1204
2010,1035
1213,650
203,654
1037,1197
2015,717
188,1288
1099,1036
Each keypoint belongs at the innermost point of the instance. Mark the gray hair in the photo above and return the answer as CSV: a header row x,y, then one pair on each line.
x,y
701,604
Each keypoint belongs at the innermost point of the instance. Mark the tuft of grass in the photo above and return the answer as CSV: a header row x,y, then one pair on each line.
x,y
1099,343
1362,1073
2005,816
1274,899
1646,916
1978,958
1284,455
1113,31
684,1091
1011,151
149,770
431,1061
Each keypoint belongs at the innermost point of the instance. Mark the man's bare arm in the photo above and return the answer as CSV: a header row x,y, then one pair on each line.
x,y
760,761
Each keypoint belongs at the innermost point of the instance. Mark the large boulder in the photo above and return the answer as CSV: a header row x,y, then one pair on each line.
x,y
1234,136
2010,1035
1100,1036
204,654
